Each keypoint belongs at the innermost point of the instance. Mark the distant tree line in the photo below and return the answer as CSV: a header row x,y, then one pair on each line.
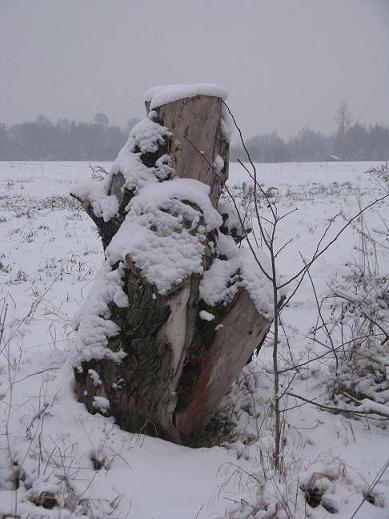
x,y
350,141
64,140
99,140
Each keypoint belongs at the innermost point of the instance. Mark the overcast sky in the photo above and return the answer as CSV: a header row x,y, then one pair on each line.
x,y
286,63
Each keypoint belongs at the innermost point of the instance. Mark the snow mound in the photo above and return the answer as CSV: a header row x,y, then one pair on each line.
x,y
238,269
94,327
162,95
101,404
165,230
104,206
206,316
232,223
145,137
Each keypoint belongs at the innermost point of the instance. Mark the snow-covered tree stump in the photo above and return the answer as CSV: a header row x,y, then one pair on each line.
x,y
177,308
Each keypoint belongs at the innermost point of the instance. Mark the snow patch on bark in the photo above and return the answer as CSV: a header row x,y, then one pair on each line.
x,y
237,269
93,323
165,230
227,124
231,221
145,137
104,206
206,316
101,404
218,164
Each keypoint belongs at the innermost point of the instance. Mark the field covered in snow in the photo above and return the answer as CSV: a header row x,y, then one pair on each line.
x,y
49,255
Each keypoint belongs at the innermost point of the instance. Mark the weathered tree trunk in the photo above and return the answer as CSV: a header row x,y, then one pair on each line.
x,y
195,123
173,353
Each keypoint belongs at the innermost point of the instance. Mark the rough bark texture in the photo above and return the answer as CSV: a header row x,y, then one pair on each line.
x,y
177,367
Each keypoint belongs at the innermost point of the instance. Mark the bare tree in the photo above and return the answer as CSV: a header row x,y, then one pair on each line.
x,y
343,120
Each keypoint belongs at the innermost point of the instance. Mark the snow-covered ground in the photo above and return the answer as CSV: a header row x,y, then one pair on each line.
x,y
49,254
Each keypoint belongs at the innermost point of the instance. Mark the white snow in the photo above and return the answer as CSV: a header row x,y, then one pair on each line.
x,y
218,163
221,282
95,377
104,206
49,255
93,323
101,404
162,195
146,136
135,173
206,316
232,221
163,234
161,95
227,124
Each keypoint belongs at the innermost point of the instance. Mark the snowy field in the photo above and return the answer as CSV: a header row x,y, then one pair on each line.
x,y
49,255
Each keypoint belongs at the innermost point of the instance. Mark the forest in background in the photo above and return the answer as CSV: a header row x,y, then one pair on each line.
x,y
99,140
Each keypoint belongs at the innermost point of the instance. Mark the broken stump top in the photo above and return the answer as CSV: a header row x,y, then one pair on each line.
x,y
196,116
162,95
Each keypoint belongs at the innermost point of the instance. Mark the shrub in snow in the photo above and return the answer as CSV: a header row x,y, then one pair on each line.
x,y
360,329
361,312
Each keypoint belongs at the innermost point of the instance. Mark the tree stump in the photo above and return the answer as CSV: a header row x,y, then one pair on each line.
x,y
178,308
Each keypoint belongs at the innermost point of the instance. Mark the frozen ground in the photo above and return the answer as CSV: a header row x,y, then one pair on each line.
x,y
49,254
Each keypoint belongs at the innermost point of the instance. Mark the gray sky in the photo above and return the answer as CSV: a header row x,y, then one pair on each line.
x,y
286,63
